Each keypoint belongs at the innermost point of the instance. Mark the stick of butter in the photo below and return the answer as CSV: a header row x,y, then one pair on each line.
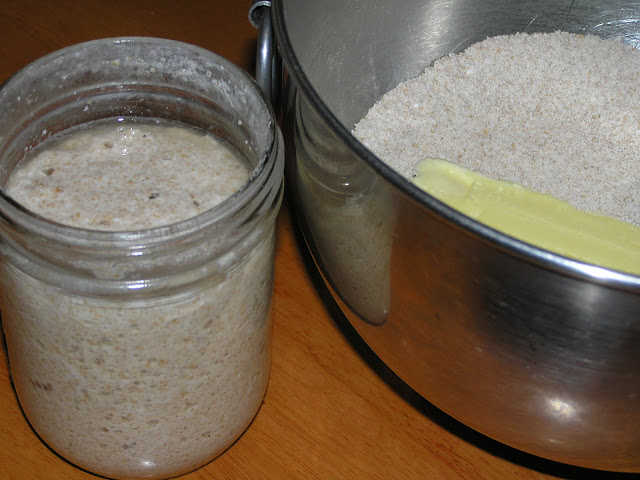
x,y
533,217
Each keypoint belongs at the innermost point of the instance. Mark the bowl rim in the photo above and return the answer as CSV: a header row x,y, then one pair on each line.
x,y
518,248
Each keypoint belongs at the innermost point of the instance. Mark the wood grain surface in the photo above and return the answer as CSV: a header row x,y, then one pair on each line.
x,y
332,409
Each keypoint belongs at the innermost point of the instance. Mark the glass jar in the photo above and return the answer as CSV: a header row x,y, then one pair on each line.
x,y
140,353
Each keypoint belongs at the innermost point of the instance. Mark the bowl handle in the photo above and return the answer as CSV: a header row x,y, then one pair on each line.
x,y
268,62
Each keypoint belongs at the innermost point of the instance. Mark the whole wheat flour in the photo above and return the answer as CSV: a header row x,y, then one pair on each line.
x,y
556,112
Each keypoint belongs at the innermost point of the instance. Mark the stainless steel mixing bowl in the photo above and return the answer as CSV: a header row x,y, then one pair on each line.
x,y
530,348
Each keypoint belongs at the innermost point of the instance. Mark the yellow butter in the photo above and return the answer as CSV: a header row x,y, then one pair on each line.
x,y
533,217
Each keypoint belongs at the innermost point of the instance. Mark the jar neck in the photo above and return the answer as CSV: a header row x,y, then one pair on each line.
x,y
153,79
99,263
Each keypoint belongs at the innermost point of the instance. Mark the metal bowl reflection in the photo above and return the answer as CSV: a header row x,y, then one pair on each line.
x,y
530,348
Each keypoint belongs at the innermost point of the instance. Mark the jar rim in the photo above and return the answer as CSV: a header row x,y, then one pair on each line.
x,y
23,218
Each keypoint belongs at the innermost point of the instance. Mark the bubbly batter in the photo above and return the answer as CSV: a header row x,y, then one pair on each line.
x,y
128,176
138,387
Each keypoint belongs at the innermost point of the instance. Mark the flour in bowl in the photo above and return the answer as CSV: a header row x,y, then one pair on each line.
x,y
557,113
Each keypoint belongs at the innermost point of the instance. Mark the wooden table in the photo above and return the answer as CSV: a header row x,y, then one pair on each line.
x,y
332,409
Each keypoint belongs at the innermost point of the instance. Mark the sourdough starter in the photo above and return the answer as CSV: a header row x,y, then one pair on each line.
x,y
147,387
128,176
